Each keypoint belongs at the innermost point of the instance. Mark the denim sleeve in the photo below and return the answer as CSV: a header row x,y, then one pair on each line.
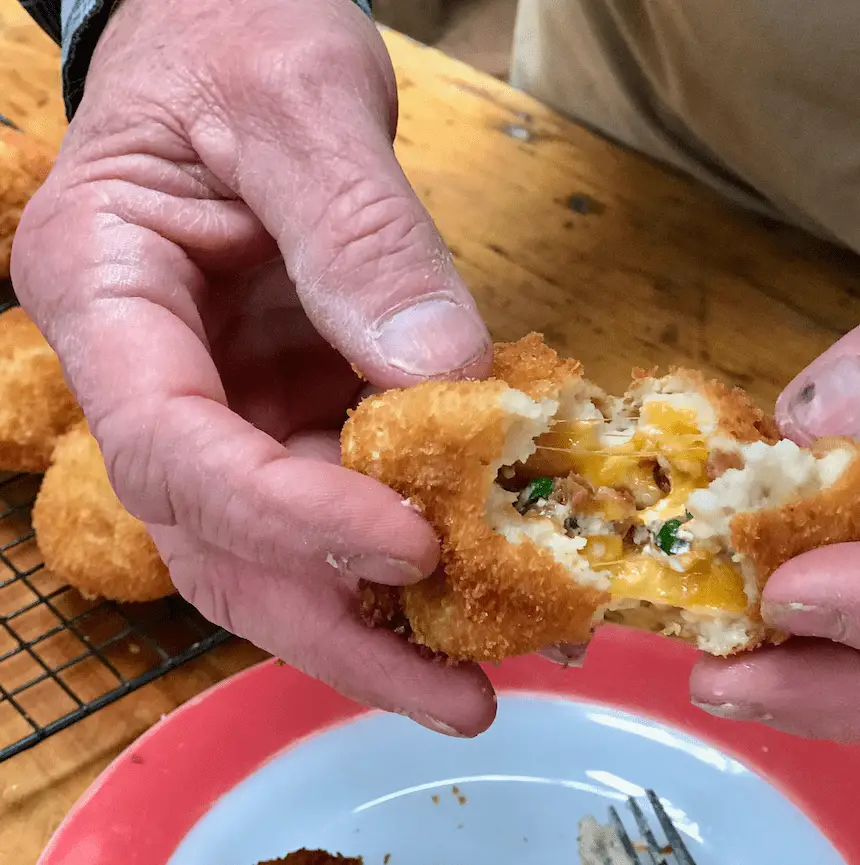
x,y
76,26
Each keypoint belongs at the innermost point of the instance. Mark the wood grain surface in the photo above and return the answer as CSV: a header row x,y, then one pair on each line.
x,y
30,92
616,260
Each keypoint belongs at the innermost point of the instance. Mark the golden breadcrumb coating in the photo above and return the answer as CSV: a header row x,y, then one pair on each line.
x,y
491,599
36,406
532,367
738,417
771,537
440,445
85,535
24,165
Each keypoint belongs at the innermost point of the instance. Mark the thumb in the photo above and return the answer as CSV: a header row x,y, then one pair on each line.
x,y
370,267
824,400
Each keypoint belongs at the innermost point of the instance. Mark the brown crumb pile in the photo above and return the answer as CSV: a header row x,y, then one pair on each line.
x,y
314,857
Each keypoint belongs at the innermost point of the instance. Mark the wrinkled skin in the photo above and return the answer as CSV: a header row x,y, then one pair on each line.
x,y
225,232
809,687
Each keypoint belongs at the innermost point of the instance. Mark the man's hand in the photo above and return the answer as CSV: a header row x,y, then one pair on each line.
x,y
225,232
809,687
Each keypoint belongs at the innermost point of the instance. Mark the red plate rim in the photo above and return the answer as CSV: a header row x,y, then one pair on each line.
x,y
275,707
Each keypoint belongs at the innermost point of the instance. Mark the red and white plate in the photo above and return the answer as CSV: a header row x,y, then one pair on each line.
x,y
270,761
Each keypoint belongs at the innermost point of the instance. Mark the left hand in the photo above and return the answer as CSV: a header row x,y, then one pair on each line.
x,y
809,687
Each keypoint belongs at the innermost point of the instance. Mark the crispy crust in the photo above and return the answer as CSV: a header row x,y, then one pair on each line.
x,y
532,367
24,165
86,536
769,538
36,406
738,417
491,599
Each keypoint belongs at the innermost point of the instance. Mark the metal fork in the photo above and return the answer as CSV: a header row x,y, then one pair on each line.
x,y
674,852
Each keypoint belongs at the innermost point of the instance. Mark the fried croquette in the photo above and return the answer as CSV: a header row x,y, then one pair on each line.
x,y
24,165
560,507
86,536
36,406
313,857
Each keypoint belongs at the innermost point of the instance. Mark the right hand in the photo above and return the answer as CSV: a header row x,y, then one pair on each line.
x,y
226,230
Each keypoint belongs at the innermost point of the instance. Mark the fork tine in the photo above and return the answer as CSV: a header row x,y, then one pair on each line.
x,y
682,854
626,843
655,851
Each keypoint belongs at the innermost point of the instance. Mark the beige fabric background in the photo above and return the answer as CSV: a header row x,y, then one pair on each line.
x,y
758,98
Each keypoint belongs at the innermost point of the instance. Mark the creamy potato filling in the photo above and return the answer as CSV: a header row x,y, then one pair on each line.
x,y
635,496
622,486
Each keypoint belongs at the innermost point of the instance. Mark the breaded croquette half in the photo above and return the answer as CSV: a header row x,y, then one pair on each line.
x,y
560,507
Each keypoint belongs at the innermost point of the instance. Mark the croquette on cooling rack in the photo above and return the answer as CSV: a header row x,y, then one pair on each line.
x,y
36,406
24,165
86,537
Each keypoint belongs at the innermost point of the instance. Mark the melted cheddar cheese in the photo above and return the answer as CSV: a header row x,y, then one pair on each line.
x,y
706,584
583,447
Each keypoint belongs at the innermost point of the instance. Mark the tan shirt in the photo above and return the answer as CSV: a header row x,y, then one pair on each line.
x,y
758,98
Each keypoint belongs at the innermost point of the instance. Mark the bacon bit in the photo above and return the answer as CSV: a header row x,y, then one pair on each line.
x,y
615,505
510,482
719,462
572,490
662,479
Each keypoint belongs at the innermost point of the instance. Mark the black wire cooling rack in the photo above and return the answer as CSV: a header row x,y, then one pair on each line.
x,y
63,657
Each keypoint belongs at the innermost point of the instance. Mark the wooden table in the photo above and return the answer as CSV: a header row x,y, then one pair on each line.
x,y
616,260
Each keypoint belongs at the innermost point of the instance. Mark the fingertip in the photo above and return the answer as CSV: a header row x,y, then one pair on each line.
x,y
433,337
365,522
707,678
467,711
817,594
730,689
823,400
805,688
483,365
385,571
453,700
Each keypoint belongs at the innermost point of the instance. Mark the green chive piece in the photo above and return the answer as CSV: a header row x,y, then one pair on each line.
x,y
539,488
667,537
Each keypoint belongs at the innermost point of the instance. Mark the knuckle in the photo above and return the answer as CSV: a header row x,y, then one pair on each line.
x,y
298,73
129,449
209,595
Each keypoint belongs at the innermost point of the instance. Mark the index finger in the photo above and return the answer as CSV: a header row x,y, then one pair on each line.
x,y
824,400
817,595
